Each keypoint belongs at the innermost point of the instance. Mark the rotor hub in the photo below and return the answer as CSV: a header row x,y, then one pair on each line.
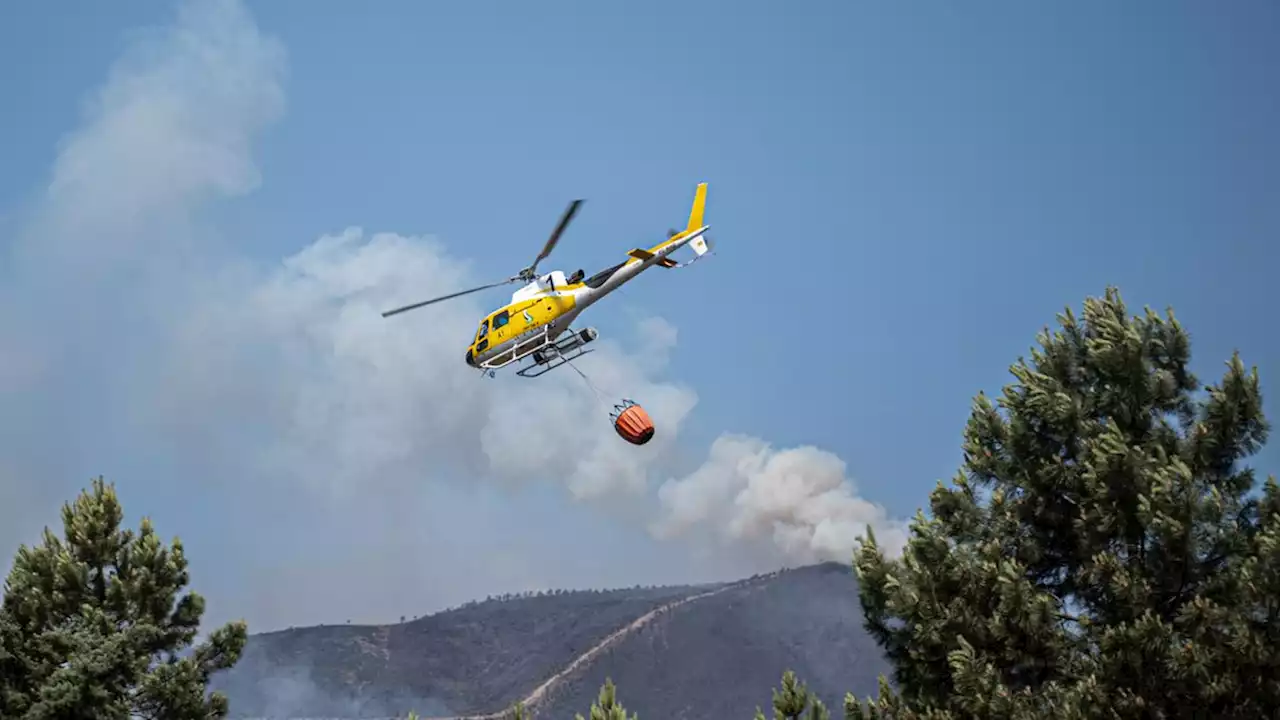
x,y
526,275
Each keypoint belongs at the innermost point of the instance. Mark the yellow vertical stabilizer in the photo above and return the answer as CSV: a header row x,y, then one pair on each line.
x,y
699,208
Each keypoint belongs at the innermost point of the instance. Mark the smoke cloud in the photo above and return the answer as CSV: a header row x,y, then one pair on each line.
x,y
800,498
310,444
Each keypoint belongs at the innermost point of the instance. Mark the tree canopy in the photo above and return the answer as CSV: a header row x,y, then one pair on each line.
x,y
607,706
92,625
1104,551
795,702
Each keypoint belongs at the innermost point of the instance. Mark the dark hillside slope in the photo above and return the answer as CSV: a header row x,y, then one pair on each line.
x,y
720,657
714,656
481,656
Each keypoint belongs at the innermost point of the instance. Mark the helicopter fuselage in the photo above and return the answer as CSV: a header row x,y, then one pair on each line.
x,y
544,308
541,311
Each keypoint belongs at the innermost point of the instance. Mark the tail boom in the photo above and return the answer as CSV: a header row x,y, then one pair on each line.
x,y
640,259
693,235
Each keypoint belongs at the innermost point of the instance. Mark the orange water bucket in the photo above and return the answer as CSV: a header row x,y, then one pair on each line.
x,y
632,422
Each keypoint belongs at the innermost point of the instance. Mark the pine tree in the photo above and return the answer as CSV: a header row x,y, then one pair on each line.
x,y
1103,552
608,707
91,624
791,702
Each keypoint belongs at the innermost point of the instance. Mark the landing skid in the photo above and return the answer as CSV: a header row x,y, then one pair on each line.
x,y
547,354
554,360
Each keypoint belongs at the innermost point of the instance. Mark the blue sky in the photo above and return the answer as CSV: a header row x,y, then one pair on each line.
x,y
901,196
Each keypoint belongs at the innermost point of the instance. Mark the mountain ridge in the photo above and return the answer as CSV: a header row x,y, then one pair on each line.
x,y
553,650
544,692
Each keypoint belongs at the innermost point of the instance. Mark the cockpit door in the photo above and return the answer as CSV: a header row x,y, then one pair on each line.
x,y
501,330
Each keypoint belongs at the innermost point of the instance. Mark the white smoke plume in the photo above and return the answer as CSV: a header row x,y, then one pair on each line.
x,y
315,444
354,401
800,498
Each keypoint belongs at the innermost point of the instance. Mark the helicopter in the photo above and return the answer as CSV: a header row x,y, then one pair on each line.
x,y
536,324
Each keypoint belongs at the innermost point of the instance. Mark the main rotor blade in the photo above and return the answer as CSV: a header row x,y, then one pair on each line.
x,y
424,303
555,234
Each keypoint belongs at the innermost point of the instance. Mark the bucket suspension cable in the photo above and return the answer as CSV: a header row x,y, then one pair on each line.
x,y
630,421
598,393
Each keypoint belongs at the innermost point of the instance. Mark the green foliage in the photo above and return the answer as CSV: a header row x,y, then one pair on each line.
x,y
91,624
793,700
1102,553
608,707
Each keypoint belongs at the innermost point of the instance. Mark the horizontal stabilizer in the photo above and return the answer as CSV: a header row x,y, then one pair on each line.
x,y
643,255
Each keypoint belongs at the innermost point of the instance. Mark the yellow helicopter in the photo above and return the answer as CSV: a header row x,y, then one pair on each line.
x,y
531,325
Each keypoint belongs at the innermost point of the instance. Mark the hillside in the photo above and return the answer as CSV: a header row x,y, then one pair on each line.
x,y
716,654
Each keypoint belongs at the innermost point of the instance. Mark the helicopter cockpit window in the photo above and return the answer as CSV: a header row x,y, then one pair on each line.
x,y
500,319
484,330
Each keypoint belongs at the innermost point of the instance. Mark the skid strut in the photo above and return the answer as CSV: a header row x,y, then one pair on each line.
x,y
558,353
547,354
